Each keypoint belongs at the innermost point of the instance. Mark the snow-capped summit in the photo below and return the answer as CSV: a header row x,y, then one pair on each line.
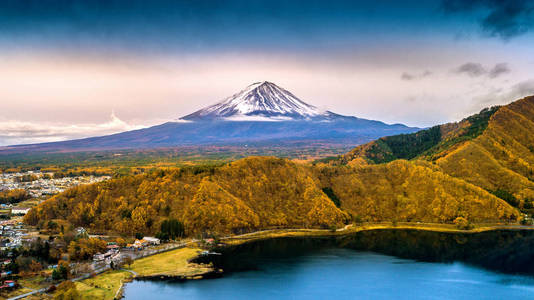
x,y
296,122
259,101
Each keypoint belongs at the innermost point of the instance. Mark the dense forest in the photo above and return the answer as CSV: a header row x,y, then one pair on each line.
x,y
256,192
477,170
493,150
265,192
425,143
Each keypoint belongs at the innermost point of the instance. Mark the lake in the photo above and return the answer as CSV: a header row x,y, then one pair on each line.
x,y
379,264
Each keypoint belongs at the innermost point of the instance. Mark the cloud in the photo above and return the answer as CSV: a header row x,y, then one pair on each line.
x,y
16,132
499,18
498,70
471,69
477,70
504,96
415,76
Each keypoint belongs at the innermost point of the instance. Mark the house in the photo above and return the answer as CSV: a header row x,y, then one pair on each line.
x,y
98,257
152,240
140,244
8,284
20,211
113,246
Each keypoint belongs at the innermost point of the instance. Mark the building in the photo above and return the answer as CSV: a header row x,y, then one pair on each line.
x,y
19,211
113,248
98,257
152,240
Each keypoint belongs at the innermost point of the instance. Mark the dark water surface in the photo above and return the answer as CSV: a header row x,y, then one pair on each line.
x,y
379,264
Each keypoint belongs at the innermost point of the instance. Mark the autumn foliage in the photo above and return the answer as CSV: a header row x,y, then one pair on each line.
x,y
13,196
493,150
83,249
472,171
253,193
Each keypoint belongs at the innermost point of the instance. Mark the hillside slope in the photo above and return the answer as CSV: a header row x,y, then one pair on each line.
x,y
493,150
476,170
263,192
256,192
404,191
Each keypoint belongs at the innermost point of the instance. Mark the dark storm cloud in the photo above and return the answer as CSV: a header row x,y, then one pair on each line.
x,y
502,18
415,76
477,70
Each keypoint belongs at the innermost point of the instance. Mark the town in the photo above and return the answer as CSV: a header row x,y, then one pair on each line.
x,y
74,255
41,184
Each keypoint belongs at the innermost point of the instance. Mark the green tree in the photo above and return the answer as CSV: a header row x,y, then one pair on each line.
x,y
171,229
506,196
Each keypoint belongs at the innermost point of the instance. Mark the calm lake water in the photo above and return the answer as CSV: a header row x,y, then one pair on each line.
x,y
385,264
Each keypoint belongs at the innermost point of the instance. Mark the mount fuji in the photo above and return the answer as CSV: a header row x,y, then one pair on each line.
x,y
260,101
262,113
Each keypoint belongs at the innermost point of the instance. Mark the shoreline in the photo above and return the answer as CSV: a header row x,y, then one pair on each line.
x,y
209,272
181,278
351,228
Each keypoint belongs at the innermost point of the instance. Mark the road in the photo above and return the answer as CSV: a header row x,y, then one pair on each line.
x,y
99,267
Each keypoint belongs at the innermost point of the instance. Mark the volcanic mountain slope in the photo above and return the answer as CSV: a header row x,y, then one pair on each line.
x,y
261,113
493,150
260,101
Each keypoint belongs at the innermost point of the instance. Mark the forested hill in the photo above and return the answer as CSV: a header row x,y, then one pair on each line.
x,y
429,143
248,194
265,192
477,170
493,150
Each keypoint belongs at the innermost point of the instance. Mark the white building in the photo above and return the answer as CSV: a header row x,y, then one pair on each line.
x,y
152,240
19,210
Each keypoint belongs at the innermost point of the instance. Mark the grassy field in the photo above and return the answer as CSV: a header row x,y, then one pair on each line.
x,y
171,263
17,292
103,286
34,283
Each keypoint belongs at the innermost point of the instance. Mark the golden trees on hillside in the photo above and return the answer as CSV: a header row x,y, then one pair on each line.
x,y
402,191
215,210
503,156
256,192
263,192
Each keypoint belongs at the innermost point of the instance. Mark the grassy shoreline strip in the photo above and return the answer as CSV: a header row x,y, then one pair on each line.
x,y
447,228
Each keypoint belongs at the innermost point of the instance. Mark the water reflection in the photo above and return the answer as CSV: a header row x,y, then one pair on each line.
x,y
504,251
381,264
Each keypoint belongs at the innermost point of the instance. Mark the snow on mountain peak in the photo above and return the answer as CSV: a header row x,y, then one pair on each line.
x,y
260,100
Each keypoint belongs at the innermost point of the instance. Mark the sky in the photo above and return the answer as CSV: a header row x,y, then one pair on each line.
x,y
71,69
